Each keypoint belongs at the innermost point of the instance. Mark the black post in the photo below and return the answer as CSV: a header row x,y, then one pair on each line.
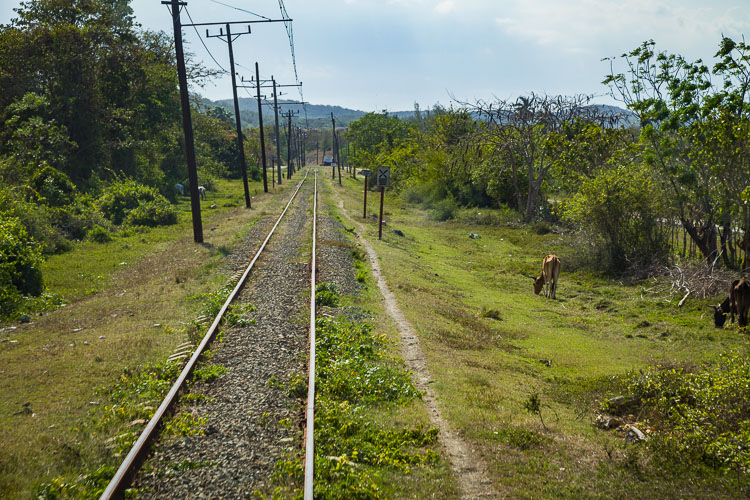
x,y
333,149
354,169
317,159
289,146
338,157
364,212
262,139
380,227
240,146
276,117
187,123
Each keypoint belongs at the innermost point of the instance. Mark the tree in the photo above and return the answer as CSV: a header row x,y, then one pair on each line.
x,y
520,132
692,134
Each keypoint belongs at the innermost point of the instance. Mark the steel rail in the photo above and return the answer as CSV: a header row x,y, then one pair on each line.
x,y
309,431
133,460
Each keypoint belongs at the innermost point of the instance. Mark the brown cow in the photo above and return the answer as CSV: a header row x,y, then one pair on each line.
x,y
739,300
548,278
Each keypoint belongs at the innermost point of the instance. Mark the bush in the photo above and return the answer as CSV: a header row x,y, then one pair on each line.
x,y
444,209
53,186
121,198
20,261
99,235
619,210
698,414
154,213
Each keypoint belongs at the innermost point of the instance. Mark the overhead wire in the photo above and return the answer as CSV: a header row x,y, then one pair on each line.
x,y
202,42
290,35
241,10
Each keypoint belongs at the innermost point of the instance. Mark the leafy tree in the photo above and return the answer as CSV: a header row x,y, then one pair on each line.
x,y
691,132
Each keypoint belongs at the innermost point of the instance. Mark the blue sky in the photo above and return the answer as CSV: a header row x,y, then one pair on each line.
x,y
387,54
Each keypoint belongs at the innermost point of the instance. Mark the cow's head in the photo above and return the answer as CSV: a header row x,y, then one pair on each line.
x,y
538,284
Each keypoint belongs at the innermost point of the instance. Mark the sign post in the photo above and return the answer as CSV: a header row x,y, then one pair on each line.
x,y
367,174
383,180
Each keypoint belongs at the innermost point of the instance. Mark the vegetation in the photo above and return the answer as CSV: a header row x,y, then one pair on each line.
x,y
562,158
523,379
90,130
352,452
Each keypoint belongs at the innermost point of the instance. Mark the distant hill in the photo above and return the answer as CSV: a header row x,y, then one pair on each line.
x,y
319,115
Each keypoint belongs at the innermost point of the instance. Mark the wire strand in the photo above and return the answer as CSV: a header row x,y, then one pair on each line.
x,y
202,42
241,10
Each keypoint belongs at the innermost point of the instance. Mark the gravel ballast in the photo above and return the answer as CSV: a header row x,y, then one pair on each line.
x,y
242,438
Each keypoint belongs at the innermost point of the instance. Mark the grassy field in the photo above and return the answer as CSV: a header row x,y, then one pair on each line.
x,y
435,480
126,305
494,349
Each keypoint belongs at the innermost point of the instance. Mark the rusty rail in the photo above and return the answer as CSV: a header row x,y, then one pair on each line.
x,y
137,453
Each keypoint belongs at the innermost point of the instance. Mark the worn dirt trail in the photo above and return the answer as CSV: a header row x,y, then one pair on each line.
x,y
470,472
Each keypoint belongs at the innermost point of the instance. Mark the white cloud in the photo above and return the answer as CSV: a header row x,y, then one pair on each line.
x,y
582,26
445,7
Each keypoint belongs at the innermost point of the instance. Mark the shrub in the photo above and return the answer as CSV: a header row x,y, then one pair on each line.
x,y
20,261
154,213
619,210
53,186
444,209
699,414
150,208
99,235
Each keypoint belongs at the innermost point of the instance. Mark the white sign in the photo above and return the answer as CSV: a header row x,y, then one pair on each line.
x,y
383,179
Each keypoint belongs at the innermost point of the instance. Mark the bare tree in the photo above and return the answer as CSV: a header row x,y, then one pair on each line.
x,y
519,130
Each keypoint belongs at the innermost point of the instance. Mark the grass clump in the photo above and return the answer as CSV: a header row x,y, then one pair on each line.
x,y
209,373
326,294
698,415
351,450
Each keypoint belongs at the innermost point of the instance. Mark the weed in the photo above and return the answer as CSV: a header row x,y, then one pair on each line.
x,y
188,465
326,294
361,276
491,313
184,424
352,379
209,372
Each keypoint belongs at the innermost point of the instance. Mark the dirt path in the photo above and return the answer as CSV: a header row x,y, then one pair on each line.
x,y
470,472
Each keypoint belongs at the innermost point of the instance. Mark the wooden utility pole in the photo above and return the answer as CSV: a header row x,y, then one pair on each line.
x,y
187,122
276,117
333,149
338,156
262,139
238,122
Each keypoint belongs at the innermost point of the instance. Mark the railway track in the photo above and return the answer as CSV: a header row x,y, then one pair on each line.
x,y
241,442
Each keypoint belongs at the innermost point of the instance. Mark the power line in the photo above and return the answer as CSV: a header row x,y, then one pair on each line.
x,y
202,42
237,8
290,34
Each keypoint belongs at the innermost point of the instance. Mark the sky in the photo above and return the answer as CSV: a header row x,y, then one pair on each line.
x,y
376,55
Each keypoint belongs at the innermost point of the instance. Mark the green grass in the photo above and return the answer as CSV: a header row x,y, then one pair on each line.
x,y
485,369
118,318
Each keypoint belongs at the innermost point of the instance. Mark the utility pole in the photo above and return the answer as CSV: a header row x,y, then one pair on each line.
x,y
187,122
288,115
238,122
276,117
333,148
262,139
317,161
338,157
